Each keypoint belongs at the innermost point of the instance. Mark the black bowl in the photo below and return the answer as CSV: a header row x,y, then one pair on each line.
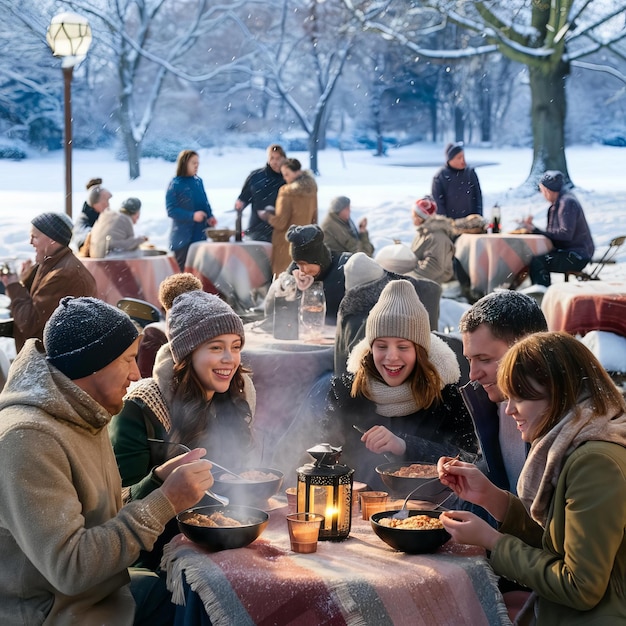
x,y
411,541
430,488
248,493
253,523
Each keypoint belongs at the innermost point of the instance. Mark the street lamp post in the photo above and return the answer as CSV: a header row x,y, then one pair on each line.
x,y
69,37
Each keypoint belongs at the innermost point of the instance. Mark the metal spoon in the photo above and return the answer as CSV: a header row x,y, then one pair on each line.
x,y
223,500
360,430
403,513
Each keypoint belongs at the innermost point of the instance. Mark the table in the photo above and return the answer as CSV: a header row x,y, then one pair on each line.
x,y
233,270
494,261
579,307
130,278
291,378
359,581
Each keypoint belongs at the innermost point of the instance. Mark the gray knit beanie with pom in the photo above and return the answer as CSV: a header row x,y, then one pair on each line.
x,y
84,335
195,318
399,313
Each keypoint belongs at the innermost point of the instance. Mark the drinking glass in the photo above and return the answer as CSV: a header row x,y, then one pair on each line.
x,y
313,311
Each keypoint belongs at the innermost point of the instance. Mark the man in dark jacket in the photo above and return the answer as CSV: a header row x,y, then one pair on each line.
x,y
455,188
489,328
56,273
260,189
567,228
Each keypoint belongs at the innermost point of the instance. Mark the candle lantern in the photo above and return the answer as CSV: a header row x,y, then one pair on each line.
x,y
325,487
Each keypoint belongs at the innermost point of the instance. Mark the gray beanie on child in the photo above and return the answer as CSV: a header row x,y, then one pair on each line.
x,y
195,318
399,313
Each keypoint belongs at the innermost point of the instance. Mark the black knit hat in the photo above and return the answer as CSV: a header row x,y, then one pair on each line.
x,y
552,180
84,335
57,226
307,244
195,318
452,149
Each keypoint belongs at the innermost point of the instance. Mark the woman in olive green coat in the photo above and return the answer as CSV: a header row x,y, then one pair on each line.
x,y
564,538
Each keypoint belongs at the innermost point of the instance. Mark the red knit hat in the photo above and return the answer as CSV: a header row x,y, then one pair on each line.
x,y
425,207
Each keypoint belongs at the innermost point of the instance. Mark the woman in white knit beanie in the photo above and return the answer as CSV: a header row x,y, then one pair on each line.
x,y
400,391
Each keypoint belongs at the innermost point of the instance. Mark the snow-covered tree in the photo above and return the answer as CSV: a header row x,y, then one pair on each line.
x,y
547,37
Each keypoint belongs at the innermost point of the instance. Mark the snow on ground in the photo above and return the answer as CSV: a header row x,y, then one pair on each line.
x,y
382,189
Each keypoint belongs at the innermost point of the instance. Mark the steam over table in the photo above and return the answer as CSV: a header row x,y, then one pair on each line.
x,y
139,277
494,261
357,581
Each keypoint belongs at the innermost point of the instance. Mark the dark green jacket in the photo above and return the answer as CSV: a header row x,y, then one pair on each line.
x,y
577,566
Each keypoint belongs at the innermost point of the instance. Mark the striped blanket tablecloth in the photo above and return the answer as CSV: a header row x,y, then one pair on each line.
x,y
494,261
359,581
233,270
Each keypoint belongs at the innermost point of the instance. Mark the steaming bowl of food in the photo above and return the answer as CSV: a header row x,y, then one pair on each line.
x,y
419,532
222,527
259,484
402,478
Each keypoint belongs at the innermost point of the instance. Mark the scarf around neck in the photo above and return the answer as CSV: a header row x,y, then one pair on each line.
x,y
392,401
548,454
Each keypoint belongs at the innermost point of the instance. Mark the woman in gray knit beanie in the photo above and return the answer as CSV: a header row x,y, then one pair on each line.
x,y
399,391
199,395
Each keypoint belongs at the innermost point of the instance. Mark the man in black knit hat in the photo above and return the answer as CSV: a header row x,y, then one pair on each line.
x,y
68,533
57,272
455,187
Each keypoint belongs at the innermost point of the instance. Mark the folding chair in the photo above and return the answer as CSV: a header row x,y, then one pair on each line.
x,y
140,311
607,258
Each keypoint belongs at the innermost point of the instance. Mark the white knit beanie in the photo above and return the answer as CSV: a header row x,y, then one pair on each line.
x,y
397,258
399,313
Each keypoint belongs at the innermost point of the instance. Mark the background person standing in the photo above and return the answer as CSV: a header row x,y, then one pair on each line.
x,y
455,188
340,233
260,190
188,206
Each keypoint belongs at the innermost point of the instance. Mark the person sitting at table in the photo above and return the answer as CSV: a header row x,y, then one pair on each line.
x,y
432,244
188,206
455,186
563,537
340,232
296,204
199,395
56,273
114,234
567,228
154,335
399,390
365,279
260,190
97,201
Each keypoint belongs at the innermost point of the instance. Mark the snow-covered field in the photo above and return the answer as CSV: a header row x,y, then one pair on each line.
x,y
381,188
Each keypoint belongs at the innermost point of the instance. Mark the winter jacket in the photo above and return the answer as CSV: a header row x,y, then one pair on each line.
x,y
567,227
113,233
260,190
445,428
577,564
342,236
457,192
357,303
146,414
185,195
34,299
65,538
83,225
434,249
296,204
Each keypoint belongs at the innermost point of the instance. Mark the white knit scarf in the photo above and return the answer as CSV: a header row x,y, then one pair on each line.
x,y
548,454
392,401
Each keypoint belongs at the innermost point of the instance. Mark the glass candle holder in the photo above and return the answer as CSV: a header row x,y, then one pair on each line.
x,y
304,531
372,502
